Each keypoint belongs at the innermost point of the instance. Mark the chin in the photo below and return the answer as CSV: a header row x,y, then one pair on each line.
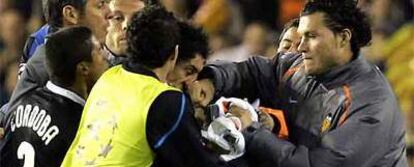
x,y
310,71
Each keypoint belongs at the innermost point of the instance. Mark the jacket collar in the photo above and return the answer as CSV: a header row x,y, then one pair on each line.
x,y
344,74
138,68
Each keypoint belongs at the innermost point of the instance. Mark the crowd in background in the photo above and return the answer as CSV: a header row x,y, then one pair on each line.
x,y
239,29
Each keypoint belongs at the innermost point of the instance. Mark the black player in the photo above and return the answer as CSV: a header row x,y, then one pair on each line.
x,y
45,121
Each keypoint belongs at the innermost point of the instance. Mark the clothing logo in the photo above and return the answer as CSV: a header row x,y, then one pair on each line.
x,y
292,101
326,124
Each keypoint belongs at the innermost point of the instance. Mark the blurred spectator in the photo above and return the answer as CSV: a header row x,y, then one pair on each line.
x,y
389,15
254,43
20,16
265,11
11,78
289,9
399,52
181,8
178,7
218,42
213,15
36,18
4,4
12,36
220,17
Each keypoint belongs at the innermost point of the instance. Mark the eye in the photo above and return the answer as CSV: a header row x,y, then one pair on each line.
x,y
117,18
102,3
286,45
310,35
189,71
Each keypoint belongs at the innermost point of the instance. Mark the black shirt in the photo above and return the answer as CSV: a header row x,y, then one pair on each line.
x,y
42,127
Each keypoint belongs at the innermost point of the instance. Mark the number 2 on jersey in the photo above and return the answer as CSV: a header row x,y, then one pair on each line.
x,y
26,152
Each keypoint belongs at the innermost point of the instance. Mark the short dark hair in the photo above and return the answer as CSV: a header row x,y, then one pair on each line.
x,y
341,14
52,10
193,41
64,50
292,23
152,36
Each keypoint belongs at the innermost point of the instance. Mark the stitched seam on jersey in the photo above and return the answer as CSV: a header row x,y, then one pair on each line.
x,y
164,137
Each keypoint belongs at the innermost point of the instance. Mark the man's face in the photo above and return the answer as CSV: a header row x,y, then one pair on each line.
x,y
98,65
319,45
121,13
255,38
95,17
290,41
12,32
186,72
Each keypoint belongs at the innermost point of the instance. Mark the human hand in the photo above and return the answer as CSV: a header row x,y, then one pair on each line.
x,y
266,120
243,114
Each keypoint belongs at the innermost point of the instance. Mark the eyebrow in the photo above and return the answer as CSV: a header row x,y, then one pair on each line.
x,y
303,31
311,32
117,11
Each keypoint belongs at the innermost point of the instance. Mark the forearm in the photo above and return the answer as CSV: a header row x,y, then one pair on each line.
x,y
244,80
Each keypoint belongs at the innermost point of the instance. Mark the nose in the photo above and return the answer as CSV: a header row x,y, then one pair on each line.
x,y
303,46
125,24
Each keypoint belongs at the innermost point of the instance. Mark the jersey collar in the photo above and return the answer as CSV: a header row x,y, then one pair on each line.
x,y
65,93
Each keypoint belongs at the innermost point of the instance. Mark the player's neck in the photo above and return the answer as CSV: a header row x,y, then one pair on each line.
x,y
161,73
80,89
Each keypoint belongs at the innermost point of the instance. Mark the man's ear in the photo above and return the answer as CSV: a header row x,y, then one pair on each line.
x,y
176,52
83,68
345,37
70,15
174,56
